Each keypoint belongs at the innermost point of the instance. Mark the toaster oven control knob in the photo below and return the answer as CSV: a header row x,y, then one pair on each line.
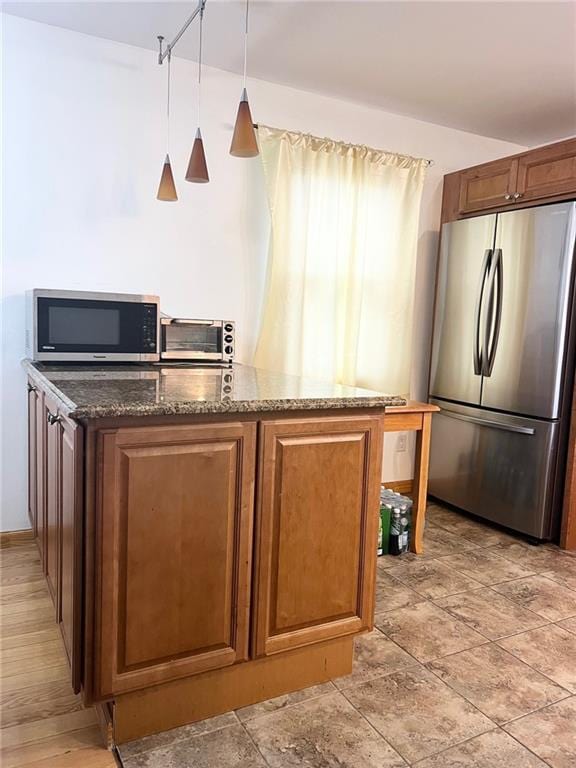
x,y
228,339
228,378
228,327
228,350
227,389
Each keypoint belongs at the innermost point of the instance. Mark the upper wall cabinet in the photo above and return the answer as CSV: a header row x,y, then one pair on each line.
x,y
545,174
487,186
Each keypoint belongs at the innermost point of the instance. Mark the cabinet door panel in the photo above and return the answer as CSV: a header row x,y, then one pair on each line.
x,y
52,537
71,545
32,490
175,552
316,530
41,477
486,186
548,171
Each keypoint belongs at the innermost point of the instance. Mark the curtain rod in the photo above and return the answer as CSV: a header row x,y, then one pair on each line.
x,y
430,162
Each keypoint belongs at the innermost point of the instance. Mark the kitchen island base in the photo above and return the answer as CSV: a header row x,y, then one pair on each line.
x,y
198,697
203,554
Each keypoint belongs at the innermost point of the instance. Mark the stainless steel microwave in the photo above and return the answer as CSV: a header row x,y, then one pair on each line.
x,y
200,340
84,326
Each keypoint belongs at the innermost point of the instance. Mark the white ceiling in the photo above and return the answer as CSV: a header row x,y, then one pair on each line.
x,y
501,69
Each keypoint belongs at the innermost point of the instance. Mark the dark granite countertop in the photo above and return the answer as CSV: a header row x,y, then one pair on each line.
x,y
91,392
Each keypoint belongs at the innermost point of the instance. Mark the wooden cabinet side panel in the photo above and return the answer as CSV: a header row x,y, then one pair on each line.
x,y
71,546
32,458
175,534
41,477
316,530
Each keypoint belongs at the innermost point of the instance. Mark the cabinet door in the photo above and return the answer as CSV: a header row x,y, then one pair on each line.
x,y
317,525
71,544
488,186
32,489
52,534
548,171
40,423
173,553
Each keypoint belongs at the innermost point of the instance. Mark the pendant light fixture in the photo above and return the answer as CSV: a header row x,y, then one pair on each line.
x,y
244,142
197,168
167,188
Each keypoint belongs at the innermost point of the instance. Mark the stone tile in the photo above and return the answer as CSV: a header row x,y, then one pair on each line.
x,y
321,733
550,733
426,631
474,531
374,655
439,543
387,561
392,594
416,713
227,748
486,567
541,595
569,624
177,734
281,702
537,559
496,682
494,749
551,650
432,579
564,572
491,614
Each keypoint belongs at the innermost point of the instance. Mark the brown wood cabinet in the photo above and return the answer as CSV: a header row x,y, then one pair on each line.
x,y
32,480
544,174
487,186
187,555
175,552
55,453
52,516
71,530
318,489
547,172
38,461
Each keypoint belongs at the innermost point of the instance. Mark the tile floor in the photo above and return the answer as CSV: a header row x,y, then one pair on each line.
x,y
472,665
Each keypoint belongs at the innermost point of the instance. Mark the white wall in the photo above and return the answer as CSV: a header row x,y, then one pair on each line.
x,y
83,149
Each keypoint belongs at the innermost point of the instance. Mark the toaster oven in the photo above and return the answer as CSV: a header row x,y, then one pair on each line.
x,y
197,340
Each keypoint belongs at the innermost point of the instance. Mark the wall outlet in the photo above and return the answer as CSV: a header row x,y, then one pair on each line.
x,y
401,443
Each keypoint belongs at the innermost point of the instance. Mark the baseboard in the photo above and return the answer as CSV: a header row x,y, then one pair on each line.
x,y
400,486
14,538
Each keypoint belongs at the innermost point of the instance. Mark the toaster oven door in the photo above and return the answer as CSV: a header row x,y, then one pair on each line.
x,y
192,340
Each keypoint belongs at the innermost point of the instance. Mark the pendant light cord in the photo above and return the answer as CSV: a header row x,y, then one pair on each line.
x,y
168,106
200,65
246,42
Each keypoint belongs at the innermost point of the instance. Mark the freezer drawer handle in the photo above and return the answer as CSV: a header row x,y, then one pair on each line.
x,y
486,423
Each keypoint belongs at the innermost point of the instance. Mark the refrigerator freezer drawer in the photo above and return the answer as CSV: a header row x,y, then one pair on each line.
x,y
495,466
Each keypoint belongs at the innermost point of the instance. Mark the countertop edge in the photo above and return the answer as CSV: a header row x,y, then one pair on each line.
x,y
197,407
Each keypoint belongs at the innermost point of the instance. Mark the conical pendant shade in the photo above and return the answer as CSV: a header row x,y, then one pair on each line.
x,y
167,188
197,168
244,142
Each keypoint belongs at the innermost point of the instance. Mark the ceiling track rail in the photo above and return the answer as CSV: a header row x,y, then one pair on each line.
x,y
164,53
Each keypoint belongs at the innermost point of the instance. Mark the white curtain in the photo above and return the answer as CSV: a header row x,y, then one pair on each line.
x,y
340,291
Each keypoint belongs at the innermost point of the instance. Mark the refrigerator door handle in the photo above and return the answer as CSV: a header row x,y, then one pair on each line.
x,y
493,316
488,423
478,357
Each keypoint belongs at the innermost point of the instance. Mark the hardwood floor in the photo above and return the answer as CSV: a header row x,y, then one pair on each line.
x,y
44,725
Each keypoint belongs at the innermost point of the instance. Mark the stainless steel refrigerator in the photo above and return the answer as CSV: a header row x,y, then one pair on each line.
x,y
502,365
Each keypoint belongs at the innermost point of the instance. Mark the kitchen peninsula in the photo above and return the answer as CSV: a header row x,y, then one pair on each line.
x,y
207,534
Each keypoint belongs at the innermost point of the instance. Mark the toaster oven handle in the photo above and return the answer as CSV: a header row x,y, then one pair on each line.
x,y
192,322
